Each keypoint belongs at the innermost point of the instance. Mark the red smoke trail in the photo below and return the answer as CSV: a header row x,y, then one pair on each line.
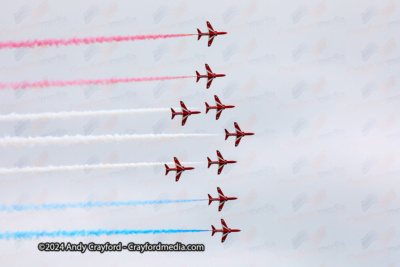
x,y
87,40
46,83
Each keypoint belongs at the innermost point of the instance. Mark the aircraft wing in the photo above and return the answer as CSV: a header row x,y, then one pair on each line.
x,y
220,167
177,163
220,192
210,28
184,119
210,39
178,175
238,138
219,111
237,128
208,69
209,81
220,157
221,205
224,226
224,235
217,101
184,107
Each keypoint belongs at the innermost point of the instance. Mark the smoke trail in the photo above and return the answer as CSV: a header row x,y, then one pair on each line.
x,y
87,40
90,139
85,233
75,114
62,206
49,169
46,83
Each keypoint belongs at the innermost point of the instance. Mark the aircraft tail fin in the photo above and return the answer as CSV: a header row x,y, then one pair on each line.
x,y
209,162
207,108
209,199
166,169
173,113
198,76
199,32
213,230
226,134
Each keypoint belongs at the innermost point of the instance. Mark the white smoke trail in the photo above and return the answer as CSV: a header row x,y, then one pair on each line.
x,y
85,167
90,139
76,114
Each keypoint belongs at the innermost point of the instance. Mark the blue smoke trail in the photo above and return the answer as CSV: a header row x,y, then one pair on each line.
x,y
61,206
85,233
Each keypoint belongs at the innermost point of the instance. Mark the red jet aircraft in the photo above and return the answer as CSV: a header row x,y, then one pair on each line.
x,y
219,107
239,134
222,199
225,230
179,169
210,76
185,113
211,34
221,162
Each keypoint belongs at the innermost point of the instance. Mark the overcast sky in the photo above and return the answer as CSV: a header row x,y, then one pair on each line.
x,y
317,82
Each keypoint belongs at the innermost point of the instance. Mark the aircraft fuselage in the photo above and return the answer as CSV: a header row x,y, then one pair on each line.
x,y
187,113
213,33
223,162
181,169
223,198
239,134
229,230
211,76
221,107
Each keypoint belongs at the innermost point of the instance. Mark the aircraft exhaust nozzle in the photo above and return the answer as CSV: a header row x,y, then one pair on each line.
x,y
166,169
198,76
209,162
173,113
213,230
209,200
199,32
226,134
207,108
